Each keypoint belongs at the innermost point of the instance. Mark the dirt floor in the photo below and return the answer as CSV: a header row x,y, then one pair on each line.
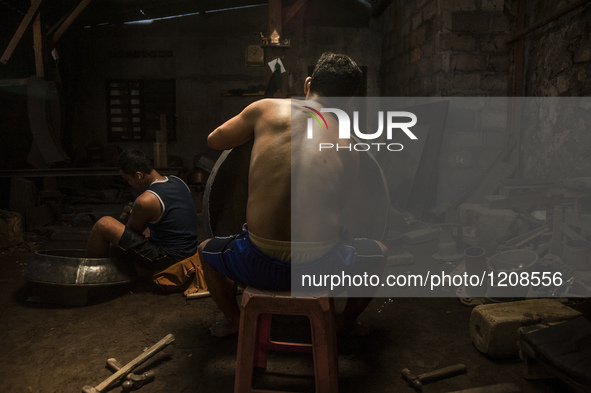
x,y
49,348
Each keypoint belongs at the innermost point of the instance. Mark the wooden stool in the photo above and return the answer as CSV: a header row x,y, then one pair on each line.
x,y
254,336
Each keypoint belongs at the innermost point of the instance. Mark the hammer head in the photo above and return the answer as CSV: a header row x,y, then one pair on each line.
x,y
89,389
412,379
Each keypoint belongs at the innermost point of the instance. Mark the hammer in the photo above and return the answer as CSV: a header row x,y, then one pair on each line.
x,y
134,381
416,381
129,367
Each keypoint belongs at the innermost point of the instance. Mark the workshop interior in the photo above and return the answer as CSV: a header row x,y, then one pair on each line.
x,y
496,181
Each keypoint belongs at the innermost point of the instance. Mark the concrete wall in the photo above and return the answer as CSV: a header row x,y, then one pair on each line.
x,y
558,55
451,49
208,57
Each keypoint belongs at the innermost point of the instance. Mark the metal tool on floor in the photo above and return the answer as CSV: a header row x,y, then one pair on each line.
x,y
134,381
129,367
417,381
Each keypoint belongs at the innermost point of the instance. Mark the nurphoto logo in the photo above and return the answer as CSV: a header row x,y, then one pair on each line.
x,y
392,120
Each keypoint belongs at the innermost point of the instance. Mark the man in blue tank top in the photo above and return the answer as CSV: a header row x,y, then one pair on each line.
x,y
162,226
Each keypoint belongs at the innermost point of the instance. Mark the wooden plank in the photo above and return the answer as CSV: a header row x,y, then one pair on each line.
x,y
293,10
13,82
526,235
20,30
532,237
69,20
503,202
38,46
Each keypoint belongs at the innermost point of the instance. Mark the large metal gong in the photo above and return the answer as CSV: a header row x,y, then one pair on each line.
x,y
226,194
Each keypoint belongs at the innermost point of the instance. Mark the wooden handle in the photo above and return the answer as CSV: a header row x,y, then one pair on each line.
x,y
442,373
135,362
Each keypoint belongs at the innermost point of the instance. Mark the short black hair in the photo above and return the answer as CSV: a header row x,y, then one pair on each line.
x,y
132,161
335,75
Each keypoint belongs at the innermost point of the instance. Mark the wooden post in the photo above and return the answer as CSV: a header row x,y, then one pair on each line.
x,y
160,146
39,46
275,16
515,88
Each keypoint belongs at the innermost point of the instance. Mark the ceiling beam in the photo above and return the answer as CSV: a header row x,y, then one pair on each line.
x,y
69,20
20,30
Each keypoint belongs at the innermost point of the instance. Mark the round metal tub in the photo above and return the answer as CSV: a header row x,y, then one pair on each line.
x,y
66,276
226,194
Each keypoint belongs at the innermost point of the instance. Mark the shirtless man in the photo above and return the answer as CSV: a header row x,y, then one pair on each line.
x,y
295,195
164,211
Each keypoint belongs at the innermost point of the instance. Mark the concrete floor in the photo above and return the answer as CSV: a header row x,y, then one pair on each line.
x,y
57,349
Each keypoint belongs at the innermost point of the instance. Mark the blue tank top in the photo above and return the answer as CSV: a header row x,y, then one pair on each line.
x,y
176,230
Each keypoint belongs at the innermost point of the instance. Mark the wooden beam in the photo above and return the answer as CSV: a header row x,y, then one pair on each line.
x,y
293,10
275,16
515,88
13,82
68,21
20,30
38,47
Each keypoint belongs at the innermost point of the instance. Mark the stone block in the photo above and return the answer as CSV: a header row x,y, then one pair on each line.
x,y
475,22
456,42
494,43
494,327
459,5
457,82
492,5
468,62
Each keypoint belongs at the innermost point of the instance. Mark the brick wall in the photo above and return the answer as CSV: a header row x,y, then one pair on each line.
x,y
444,48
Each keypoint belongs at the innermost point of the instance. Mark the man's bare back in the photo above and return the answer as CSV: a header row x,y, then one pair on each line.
x,y
295,192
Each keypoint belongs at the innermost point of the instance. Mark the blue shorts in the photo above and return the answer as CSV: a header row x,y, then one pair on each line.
x,y
237,258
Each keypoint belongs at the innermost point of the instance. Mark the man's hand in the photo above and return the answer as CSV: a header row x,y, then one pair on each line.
x,y
126,212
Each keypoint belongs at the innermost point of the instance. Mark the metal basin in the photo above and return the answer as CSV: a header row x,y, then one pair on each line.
x,y
68,277
70,267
